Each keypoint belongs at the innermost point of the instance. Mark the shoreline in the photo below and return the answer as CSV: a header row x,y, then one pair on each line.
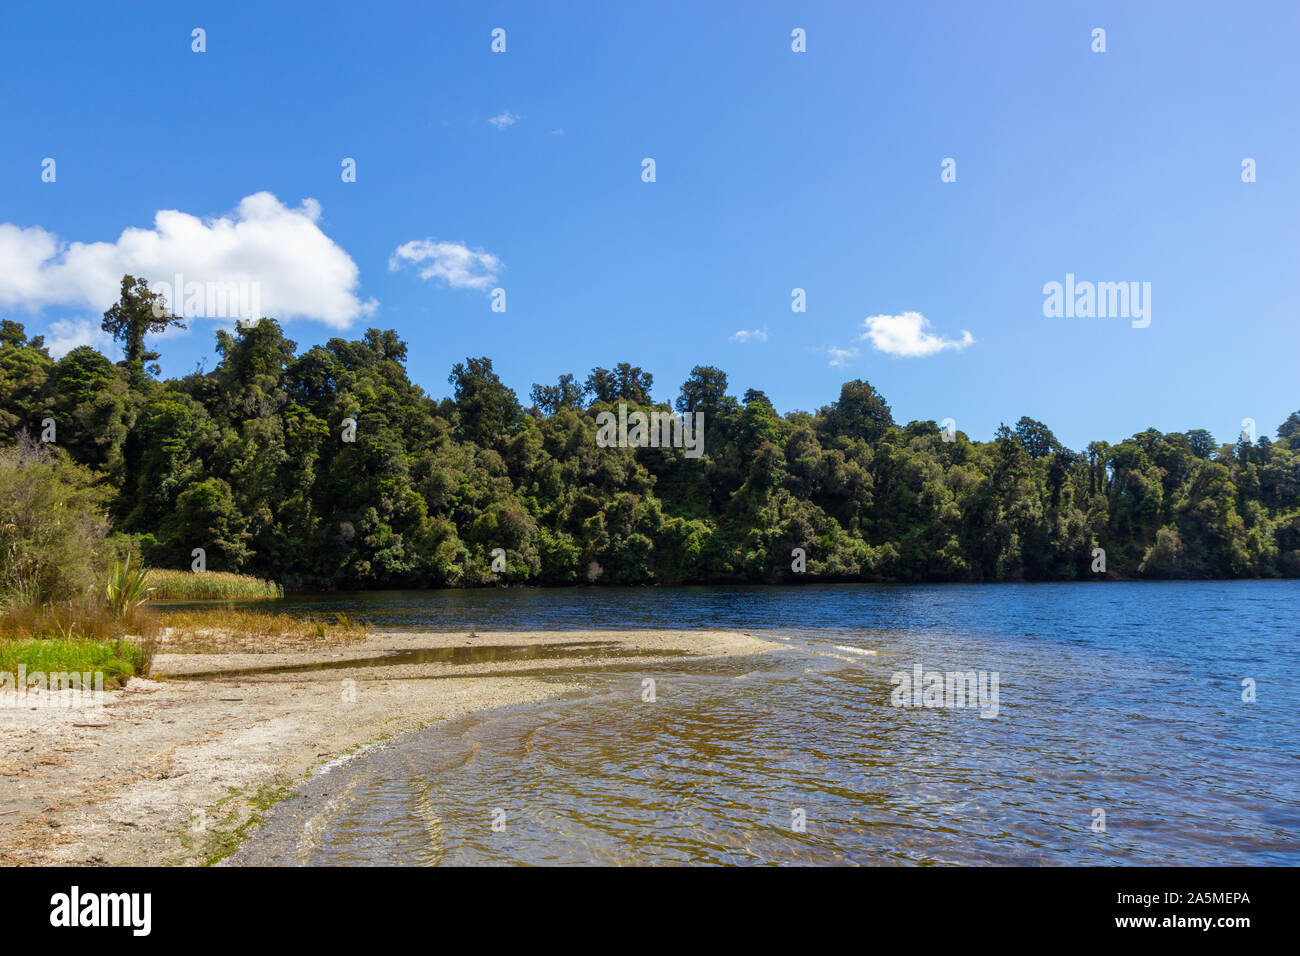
x,y
175,770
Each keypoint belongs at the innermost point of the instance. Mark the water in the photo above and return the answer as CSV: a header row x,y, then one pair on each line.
x,y
476,654
1121,697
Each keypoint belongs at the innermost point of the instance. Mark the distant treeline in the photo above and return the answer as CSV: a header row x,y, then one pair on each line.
x,y
249,462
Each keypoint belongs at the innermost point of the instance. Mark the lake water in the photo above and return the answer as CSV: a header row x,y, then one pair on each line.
x,y
1122,698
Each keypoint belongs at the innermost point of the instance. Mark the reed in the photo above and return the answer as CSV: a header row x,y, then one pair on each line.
x,y
210,585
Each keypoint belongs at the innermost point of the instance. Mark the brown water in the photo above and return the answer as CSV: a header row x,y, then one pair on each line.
x,y
460,655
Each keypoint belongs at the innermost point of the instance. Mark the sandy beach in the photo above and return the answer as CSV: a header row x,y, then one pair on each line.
x,y
176,769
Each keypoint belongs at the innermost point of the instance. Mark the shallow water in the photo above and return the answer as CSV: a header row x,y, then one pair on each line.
x,y
1122,697
461,655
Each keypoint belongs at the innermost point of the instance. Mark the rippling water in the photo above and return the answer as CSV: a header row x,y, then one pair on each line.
x,y
1120,697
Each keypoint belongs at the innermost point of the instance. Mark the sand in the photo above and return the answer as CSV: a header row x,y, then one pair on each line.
x,y
174,770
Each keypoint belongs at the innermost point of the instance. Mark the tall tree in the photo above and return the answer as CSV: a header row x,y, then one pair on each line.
x,y
861,412
704,390
488,409
566,393
138,312
627,383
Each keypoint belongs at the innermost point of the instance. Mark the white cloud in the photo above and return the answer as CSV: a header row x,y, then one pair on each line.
x,y
300,271
67,334
750,335
502,120
841,357
905,336
454,262
559,131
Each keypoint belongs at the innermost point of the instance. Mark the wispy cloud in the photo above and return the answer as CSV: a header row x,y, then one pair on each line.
x,y
454,262
750,335
301,272
67,334
502,120
841,357
905,336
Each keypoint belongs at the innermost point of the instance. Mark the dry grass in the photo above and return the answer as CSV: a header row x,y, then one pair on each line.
x,y
87,620
220,629
77,635
227,629
80,619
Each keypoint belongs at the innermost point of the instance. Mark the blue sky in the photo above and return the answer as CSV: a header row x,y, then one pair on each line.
x,y
775,170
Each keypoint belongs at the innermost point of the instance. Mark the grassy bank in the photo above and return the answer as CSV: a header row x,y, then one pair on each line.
x,y
112,628
117,661
210,585
77,636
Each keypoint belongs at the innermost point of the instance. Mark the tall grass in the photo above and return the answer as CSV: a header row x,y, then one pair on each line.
x,y
85,618
208,585
112,630
78,635
91,632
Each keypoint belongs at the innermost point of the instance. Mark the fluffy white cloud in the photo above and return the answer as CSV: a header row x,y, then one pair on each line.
x,y
454,262
502,120
300,271
841,357
750,335
67,334
905,336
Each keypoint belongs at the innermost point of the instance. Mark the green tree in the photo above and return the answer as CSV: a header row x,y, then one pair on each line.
x,y
566,393
138,312
488,411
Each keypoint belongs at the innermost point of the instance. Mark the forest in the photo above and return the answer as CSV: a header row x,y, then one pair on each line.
x,y
329,469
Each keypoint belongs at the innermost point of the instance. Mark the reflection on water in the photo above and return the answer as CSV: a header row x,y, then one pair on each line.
x,y
1124,698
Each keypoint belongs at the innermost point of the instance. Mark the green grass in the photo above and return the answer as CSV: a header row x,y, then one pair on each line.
x,y
55,655
228,824
205,585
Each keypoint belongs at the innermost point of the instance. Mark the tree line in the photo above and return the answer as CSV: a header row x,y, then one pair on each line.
x,y
249,462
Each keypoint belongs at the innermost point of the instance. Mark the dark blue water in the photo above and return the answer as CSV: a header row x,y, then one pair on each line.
x,y
1118,704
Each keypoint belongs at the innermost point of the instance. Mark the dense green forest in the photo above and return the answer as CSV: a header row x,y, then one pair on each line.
x,y
250,462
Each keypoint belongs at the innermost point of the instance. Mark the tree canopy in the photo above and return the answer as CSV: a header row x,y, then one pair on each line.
x,y
254,461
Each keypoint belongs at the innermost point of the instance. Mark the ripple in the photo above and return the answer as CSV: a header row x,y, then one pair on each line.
x,y
1117,699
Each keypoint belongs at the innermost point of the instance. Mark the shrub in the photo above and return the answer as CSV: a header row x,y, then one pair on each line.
x,y
52,523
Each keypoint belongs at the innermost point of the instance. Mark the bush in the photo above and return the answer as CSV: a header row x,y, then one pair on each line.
x,y
52,524
1164,559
